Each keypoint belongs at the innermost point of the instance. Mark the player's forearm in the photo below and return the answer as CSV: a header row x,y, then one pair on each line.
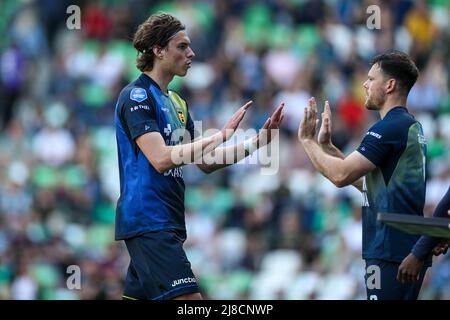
x,y
176,156
332,150
329,166
222,157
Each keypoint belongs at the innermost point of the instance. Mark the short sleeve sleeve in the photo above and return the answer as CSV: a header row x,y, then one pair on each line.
x,y
138,113
377,144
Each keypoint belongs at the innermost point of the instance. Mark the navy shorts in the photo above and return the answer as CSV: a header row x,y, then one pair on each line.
x,y
159,268
382,284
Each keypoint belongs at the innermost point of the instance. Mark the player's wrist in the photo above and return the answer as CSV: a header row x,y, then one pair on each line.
x,y
219,137
250,146
308,140
326,145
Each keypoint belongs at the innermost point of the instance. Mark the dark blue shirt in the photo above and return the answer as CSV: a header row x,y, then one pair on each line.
x,y
149,200
425,245
397,147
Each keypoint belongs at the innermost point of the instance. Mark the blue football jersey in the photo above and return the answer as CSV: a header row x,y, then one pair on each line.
x,y
397,147
149,200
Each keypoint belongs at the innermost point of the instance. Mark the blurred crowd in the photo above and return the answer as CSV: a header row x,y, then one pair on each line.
x,y
292,235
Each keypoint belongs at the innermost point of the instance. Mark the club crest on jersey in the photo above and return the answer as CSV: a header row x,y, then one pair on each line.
x,y
181,116
138,94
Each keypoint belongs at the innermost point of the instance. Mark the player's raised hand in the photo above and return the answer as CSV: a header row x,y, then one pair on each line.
x,y
324,137
308,125
233,122
270,128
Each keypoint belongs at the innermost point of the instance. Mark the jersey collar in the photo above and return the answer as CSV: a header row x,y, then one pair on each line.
x,y
147,81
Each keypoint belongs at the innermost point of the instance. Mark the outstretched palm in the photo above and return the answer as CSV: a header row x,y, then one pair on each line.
x,y
270,127
232,124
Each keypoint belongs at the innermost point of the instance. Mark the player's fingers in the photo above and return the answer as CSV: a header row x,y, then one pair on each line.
x,y
247,105
277,113
305,117
399,276
313,104
326,123
266,124
242,114
408,277
327,108
311,115
237,114
402,275
239,118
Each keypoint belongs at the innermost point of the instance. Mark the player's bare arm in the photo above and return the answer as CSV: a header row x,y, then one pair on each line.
x,y
164,157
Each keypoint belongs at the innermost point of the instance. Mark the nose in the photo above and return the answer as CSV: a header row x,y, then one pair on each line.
x,y
191,53
365,85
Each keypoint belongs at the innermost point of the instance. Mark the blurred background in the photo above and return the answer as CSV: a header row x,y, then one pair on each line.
x,y
250,236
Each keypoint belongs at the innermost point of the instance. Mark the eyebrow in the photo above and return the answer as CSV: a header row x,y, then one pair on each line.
x,y
186,42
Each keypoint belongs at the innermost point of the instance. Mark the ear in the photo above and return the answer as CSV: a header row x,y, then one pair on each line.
x,y
391,85
157,51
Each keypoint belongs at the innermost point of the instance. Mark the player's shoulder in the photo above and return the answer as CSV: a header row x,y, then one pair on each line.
x,y
399,117
134,92
395,124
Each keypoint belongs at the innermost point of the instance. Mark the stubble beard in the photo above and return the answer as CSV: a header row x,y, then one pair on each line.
x,y
375,102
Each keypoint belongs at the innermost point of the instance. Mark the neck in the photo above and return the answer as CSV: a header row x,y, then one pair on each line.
x,y
391,103
160,77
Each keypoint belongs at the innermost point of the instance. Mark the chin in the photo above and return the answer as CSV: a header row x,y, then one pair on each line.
x,y
370,106
182,73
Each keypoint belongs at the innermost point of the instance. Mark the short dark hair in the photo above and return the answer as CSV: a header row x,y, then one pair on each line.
x,y
157,30
398,65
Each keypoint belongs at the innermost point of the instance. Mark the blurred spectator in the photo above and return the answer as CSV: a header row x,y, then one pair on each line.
x,y
12,72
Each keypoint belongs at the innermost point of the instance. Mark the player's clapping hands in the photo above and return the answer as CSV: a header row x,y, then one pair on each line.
x,y
309,123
